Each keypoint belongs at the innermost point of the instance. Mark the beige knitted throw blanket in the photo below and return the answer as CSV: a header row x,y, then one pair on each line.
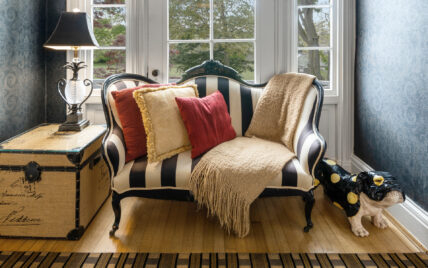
x,y
229,177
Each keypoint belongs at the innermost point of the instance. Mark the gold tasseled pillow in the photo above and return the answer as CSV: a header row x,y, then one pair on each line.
x,y
165,130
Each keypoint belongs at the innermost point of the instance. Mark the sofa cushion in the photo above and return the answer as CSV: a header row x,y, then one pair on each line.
x,y
207,121
131,121
234,93
174,173
241,100
165,130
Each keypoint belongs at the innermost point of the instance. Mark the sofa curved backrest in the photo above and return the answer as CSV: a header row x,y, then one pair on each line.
x,y
241,98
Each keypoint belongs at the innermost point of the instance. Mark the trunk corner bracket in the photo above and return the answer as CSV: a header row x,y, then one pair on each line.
x,y
75,158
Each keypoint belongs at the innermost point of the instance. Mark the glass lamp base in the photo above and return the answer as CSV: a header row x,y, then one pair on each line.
x,y
74,122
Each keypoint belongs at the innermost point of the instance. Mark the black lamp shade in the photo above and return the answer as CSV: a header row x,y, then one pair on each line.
x,y
73,30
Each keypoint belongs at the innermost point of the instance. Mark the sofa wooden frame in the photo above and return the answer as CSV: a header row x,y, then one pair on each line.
x,y
215,68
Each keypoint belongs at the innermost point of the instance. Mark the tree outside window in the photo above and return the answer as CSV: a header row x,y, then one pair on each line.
x,y
314,32
211,29
109,20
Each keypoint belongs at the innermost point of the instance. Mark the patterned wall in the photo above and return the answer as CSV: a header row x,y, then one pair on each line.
x,y
55,59
391,95
22,75
28,72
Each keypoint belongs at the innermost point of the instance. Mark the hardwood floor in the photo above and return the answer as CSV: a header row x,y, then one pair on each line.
x,y
172,226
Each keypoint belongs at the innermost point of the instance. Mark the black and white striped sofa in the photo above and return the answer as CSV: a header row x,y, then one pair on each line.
x,y
168,179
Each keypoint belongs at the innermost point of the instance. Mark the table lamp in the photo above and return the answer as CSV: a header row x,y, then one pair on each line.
x,y
73,32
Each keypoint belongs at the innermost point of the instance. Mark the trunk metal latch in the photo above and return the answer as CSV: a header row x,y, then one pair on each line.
x,y
32,172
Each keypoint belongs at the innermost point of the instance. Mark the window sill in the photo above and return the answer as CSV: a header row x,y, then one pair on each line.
x,y
94,99
328,99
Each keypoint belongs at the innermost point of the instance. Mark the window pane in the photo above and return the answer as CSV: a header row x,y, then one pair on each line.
x,y
108,62
109,1
314,27
313,2
233,19
316,62
110,26
184,56
239,56
189,19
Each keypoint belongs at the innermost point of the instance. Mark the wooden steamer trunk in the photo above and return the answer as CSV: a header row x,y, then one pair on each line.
x,y
52,183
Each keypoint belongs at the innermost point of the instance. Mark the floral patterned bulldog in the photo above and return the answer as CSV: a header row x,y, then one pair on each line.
x,y
363,194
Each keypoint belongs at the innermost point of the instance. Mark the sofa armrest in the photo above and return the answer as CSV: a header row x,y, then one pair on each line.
x,y
311,150
113,149
309,145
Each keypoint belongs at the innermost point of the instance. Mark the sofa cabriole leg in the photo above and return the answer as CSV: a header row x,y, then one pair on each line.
x,y
115,202
309,204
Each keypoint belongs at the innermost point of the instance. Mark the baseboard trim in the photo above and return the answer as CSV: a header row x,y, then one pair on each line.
x,y
411,216
359,165
346,164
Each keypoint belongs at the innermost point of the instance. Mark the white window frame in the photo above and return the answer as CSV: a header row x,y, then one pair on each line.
x,y
156,55
211,40
125,48
333,48
87,55
276,30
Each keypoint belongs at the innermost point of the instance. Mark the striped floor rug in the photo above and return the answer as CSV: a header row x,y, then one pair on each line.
x,y
55,259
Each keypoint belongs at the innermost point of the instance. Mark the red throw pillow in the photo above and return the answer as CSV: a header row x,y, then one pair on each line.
x,y
132,123
207,121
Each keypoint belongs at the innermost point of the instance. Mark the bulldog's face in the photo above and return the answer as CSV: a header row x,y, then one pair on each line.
x,y
381,186
392,198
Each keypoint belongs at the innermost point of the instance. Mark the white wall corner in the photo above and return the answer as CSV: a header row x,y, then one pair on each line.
x,y
345,80
346,164
408,214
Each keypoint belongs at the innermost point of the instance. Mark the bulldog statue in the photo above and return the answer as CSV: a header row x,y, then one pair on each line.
x,y
363,194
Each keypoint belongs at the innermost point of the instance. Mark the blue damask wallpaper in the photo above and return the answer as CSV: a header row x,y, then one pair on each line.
x,y
55,59
28,72
391,94
22,68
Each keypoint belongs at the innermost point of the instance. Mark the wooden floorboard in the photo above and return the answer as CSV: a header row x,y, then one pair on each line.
x,y
172,226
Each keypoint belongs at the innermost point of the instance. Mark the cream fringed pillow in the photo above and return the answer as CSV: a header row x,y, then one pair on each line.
x,y
165,130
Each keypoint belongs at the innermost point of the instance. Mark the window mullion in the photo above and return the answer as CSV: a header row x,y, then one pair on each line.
x,y
109,5
188,41
118,50
313,6
211,29
313,48
233,40
112,48
324,64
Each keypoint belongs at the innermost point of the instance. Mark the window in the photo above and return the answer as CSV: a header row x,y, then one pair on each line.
x,y
223,30
314,42
258,38
109,21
